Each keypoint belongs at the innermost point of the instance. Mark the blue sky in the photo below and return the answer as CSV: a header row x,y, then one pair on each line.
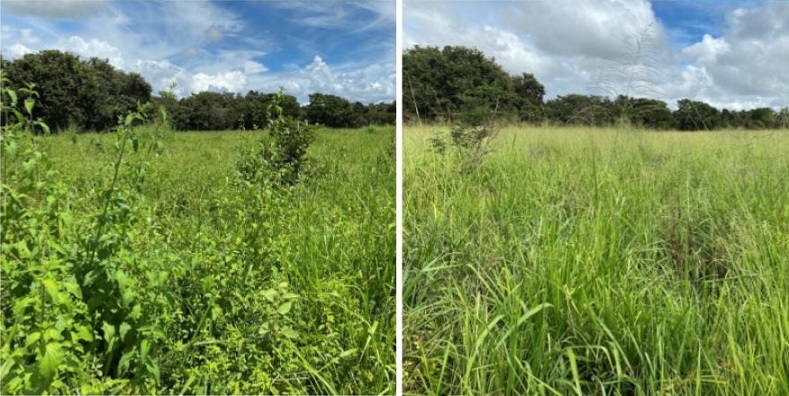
x,y
339,47
732,54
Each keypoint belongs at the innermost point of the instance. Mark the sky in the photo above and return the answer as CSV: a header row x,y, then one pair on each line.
x,y
729,54
335,47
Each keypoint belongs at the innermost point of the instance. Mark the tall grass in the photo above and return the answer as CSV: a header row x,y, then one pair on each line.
x,y
236,288
590,261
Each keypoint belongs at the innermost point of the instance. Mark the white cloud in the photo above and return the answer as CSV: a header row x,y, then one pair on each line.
x,y
746,66
200,46
373,83
61,9
161,74
618,47
233,81
566,45
707,50
17,51
92,48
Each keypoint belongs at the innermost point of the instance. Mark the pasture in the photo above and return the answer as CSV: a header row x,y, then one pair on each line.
x,y
598,262
159,270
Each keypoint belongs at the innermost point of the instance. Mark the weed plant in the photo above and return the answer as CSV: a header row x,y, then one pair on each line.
x,y
598,262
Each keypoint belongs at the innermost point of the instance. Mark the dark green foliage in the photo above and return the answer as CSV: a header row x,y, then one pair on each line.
x,y
528,98
279,157
212,111
460,84
382,113
642,112
456,82
251,109
332,111
580,110
206,111
696,116
89,95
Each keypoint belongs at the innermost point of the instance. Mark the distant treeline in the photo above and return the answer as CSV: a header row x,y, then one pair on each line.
x,y
459,84
90,95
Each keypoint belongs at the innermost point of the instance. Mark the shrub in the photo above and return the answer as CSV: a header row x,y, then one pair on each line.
x,y
278,159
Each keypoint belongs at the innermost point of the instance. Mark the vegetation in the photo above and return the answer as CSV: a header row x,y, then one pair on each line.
x,y
597,261
86,95
148,262
458,84
89,95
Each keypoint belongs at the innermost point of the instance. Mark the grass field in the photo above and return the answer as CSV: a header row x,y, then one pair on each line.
x,y
592,261
178,277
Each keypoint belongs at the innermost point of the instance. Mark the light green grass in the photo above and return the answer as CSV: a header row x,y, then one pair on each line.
x,y
263,291
598,261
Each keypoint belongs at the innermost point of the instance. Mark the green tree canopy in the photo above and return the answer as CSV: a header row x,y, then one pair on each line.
x,y
454,82
89,95
330,110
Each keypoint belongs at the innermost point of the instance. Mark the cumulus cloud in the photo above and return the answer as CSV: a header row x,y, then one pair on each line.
x,y
61,9
233,81
619,47
373,83
162,74
707,50
205,45
566,45
17,50
748,63
92,48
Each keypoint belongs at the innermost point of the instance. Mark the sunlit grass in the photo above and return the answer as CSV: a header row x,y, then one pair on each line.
x,y
266,290
590,261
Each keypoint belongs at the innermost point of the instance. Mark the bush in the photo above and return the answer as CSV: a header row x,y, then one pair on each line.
x,y
280,159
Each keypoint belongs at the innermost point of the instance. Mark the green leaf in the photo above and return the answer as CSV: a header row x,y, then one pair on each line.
x,y
145,346
84,333
43,126
12,95
125,327
290,333
284,308
123,364
29,103
136,312
48,364
109,332
52,289
32,338
11,148
270,294
349,352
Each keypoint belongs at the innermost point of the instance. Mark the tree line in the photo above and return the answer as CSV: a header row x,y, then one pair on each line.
x,y
460,84
89,95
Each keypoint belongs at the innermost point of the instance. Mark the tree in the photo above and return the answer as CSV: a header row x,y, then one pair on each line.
x,y
528,97
455,82
89,95
642,112
382,113
695,116
207,111
330,110
577,109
